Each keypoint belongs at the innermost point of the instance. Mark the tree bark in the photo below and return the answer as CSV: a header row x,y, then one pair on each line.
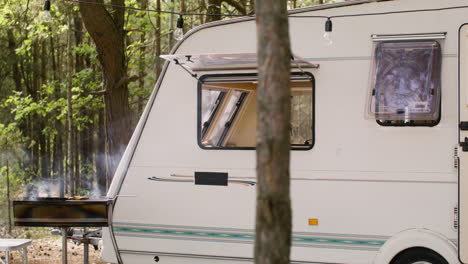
x,y
106,30
273,219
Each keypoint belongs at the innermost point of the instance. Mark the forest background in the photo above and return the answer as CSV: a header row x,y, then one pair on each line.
x,y
60,111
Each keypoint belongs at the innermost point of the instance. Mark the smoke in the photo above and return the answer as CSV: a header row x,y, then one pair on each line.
x,y
91,189
42,189
93,182
51,188
96,193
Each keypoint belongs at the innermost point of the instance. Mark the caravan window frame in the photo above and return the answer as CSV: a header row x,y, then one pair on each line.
x,y
249,76
435,74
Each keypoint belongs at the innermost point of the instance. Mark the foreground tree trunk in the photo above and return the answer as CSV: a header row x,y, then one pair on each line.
x,y
106,29
273,220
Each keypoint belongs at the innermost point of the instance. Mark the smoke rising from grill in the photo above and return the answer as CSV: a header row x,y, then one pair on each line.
x,y
41,189
51,188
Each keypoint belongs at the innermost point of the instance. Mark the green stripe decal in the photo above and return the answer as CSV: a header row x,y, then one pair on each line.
x,y
244,236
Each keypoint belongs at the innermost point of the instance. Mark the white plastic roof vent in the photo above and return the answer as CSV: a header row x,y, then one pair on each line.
x,y
234,61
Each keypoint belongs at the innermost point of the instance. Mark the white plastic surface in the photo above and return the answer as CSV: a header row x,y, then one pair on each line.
x,y
14,244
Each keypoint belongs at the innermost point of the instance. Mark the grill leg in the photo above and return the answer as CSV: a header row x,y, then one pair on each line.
x,y
86,247
7,257
64,245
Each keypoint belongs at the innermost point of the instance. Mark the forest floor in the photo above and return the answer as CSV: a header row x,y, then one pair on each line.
x,y
46,248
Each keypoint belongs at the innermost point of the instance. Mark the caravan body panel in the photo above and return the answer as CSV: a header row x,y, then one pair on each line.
x,y
361,183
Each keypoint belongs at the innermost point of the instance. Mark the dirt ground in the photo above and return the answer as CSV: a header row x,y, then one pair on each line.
x,y
47,248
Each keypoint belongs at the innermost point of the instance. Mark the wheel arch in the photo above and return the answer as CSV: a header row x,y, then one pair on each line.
x,y
417,238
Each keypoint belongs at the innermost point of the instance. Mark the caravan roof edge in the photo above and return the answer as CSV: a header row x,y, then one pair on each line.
x,y
332,5
292,11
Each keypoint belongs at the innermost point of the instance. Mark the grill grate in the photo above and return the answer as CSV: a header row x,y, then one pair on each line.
x,y
61,213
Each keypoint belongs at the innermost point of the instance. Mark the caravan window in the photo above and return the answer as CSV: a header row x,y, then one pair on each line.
x,y
227,112
406,86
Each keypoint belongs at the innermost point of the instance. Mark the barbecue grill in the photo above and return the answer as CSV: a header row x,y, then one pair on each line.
x,y
61,212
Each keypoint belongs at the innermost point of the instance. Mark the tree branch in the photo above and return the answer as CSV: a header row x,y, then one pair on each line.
x,y
237,6
127,80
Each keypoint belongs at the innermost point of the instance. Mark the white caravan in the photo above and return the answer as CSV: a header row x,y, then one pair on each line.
x,y
379,134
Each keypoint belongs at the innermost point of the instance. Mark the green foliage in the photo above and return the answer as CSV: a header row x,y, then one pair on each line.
x,y
11,140
85,49
24,107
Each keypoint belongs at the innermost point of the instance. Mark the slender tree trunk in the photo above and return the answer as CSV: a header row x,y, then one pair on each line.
x,y
157,35
170,39
202,9
101,152
251,9
44,155
83,158
70,134
273,219
76,160
183,9
141,67
53,59
36,121
14,60
57,156
42,151
48,154
78,26
57,159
